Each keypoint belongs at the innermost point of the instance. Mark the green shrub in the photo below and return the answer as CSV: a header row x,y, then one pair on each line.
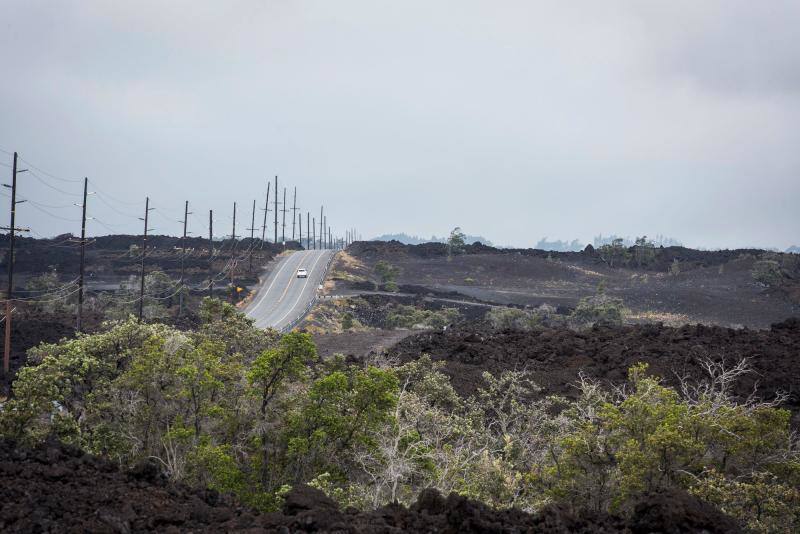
x,y
402,316
768,273
599,308
347,321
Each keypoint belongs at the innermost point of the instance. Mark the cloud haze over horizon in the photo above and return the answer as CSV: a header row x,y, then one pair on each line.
x,y
513,120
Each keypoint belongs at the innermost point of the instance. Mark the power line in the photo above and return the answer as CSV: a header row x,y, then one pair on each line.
x,y
50,175
54,188
116,210
112,197
34,206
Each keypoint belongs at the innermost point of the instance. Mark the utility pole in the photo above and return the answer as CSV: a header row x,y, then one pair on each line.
x,y
330,242
211,254
147,209
266,210
233,255
284,210
300,224
314,231
276,211
252,229
79,324
185,221
320,226
325,236
10,261
308,230
294,210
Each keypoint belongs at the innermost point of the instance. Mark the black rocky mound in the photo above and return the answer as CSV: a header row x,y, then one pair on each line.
x,y
55,488
555,356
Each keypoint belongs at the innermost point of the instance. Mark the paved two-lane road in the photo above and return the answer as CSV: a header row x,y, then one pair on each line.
x,y
282,297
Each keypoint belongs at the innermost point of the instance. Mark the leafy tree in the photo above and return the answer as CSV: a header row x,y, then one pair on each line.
x,y
344,410
44,290
456,243
614,253
268,376
644,250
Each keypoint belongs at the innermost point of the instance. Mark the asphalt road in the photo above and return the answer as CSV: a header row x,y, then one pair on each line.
x,y
282,297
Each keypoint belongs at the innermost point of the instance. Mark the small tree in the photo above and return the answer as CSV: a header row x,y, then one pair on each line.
x,y
614,253
645,251
456,242
347,321
46,291
675,268
388,274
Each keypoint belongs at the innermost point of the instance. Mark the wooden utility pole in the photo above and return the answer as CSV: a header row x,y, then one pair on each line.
x,y
233,256
79,324
147,209
186,214
320,226
252,237
276,211
266,210
284,210
211,254
294,210
10,262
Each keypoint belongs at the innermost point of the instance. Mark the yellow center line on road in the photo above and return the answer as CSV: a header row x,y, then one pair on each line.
x,y
266,292
291,279
301,291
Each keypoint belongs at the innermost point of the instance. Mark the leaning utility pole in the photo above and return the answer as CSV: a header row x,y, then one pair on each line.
x,y
266,210
276,211
186,214
294,210
211,254
284,210
10,262
83,257
147,209
252,229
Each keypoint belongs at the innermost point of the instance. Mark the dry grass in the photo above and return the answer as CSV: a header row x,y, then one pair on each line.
x,y
669,319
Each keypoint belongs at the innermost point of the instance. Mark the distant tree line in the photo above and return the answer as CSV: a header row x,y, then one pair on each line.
x,y
416,240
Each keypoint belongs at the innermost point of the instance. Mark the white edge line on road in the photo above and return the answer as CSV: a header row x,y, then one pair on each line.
x,y
292,278
277,274
279,321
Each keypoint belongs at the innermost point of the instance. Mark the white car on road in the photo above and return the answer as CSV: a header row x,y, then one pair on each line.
x,y
302,273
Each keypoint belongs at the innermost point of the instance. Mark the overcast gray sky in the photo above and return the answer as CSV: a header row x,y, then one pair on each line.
x,y
512,119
